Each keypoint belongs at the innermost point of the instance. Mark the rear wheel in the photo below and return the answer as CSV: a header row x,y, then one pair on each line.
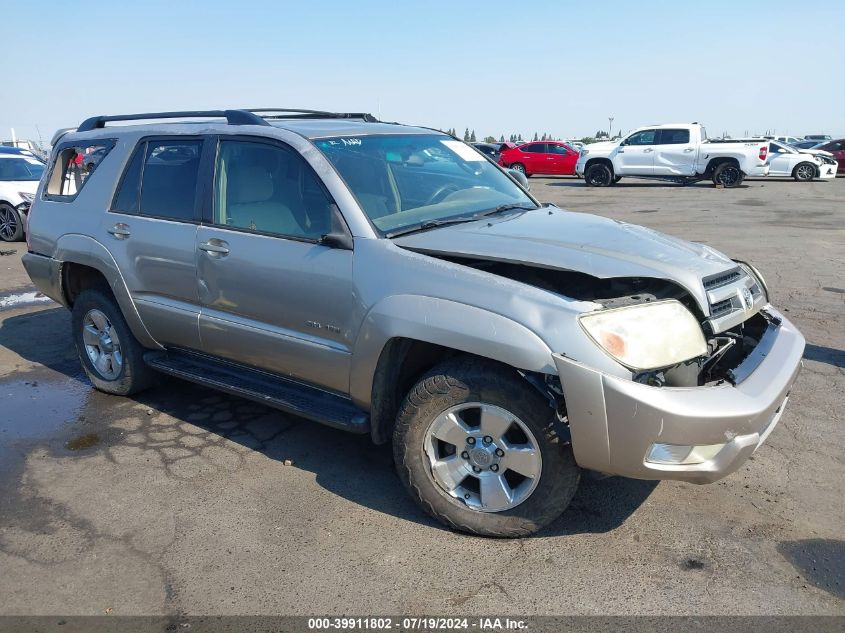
x,y
476,447
804,172
11,226
111,356
599,175
728,175
518,167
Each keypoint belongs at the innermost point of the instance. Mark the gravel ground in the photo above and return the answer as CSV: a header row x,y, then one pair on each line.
x,y
185,501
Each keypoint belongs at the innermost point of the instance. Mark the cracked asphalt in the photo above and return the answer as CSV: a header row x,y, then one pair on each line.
x,y
186,501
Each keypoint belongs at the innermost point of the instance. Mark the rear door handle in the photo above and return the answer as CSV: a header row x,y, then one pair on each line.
x,y
217,248
690,149
120,231
648,149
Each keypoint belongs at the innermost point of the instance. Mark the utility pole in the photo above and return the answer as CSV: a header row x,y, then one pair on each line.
x,y
609,127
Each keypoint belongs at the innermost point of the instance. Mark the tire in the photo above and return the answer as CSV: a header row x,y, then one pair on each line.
x,y
728,175
95,311
599,175
11,225
804,172
518,167
463,386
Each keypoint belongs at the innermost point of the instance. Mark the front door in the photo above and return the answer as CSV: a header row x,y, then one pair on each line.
x,y
674,155
563,159
635,154
273,296
151,230
781,160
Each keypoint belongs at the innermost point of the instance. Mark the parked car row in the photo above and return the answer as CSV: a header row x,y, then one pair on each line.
x,y
679,153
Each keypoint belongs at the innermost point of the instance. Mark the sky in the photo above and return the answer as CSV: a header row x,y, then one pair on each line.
x,y
496,67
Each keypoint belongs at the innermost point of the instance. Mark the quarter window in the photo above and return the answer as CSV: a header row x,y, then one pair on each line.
x,y
72,167
169,179
269,189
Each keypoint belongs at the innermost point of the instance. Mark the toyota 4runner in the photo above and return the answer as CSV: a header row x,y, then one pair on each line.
x,y
392,281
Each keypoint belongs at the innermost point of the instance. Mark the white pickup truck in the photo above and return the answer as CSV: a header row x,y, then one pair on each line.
x,y
676,152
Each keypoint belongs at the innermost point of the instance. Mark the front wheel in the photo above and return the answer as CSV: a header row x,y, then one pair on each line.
x,y
11,226
476,447
598,175
728,175
804,172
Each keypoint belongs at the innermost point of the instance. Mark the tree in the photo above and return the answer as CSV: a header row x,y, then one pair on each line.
x,y
489,139
502,138
466,134
519,138
472,137
602,134
544,137
536,138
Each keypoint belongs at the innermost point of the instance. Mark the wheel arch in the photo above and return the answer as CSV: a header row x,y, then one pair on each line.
x,y
85,263
404,336
816,169
715,162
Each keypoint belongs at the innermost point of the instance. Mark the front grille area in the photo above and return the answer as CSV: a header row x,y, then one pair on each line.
x,y
721,279
721,308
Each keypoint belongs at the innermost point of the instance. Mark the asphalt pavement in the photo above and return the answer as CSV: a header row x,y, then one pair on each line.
x,y
186,501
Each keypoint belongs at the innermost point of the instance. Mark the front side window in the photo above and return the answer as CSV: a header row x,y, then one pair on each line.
x,y
674,137
559,149
73,166
20,168
269,189
646,137
407,180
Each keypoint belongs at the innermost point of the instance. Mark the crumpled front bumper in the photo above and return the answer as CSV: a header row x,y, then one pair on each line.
x,y
615,422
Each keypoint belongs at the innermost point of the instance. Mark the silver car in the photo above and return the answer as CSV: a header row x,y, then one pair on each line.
x,y
391,280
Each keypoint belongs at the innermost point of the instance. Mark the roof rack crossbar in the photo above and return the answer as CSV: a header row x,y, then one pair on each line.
x,y
297,113
233,117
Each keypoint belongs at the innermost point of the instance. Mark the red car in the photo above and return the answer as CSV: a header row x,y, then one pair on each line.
x,y
541,157
837,148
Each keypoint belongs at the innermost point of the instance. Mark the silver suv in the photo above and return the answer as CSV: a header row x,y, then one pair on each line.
x,y
392,281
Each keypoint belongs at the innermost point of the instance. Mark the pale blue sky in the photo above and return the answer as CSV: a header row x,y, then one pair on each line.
x,y
498,67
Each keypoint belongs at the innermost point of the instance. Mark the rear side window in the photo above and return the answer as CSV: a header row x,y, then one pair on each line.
x,y
674,137
72,167
534,148
161,180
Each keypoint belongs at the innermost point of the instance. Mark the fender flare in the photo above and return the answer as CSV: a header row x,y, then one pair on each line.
x,y
81,249
446,323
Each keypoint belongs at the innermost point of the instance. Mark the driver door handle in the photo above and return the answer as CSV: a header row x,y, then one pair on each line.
x,y
215,250
689,149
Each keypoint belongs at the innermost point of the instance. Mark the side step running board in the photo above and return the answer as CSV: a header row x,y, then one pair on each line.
x,y
269,389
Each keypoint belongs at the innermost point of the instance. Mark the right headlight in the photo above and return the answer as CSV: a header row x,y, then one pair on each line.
x,y
755,274
647,336
584,152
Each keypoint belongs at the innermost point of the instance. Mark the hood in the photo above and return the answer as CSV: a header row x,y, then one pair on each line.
x,y
815,152
12,187
563,240
602,145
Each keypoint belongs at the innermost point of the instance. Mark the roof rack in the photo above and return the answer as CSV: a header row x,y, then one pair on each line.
x,y
233,117
297,113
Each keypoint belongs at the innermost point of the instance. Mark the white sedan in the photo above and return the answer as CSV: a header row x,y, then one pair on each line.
x,y
802,165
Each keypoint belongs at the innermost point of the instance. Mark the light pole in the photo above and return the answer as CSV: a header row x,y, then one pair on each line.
x,y
609,127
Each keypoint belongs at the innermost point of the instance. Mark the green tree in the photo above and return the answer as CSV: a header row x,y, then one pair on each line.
x,y
472,137
519,138
489,139
502,138
537,138
466,134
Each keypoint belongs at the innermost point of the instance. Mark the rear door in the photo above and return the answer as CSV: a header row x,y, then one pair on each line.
x,y
273,296
534,156
150,231
674,153
635,155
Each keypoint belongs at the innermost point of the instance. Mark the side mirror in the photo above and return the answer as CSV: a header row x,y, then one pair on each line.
x,y
338,236
520,178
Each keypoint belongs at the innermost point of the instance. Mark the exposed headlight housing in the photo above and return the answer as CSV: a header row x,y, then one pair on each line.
x,y
647,336
584,151
754,274
29,197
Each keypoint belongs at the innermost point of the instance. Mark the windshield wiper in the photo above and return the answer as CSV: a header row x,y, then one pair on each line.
x,y
431,224
505,207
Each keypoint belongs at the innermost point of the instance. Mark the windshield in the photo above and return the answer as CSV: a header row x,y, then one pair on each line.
x,y
20,169
403,181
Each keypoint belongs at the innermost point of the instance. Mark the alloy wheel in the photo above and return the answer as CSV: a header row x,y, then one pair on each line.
x,y
805,172
8,223
483,457
102,344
